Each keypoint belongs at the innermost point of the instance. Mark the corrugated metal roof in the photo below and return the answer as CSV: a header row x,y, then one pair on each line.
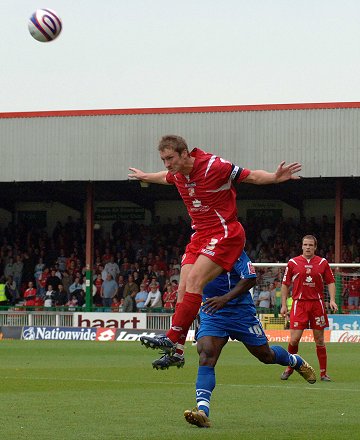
x,y
101,145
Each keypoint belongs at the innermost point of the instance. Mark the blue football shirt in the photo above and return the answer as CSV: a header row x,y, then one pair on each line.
x,y
222,284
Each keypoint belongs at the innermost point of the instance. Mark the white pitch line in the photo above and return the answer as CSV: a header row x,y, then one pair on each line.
x,y
239,385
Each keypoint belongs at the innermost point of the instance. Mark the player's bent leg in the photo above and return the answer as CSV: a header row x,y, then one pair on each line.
x,y
278,355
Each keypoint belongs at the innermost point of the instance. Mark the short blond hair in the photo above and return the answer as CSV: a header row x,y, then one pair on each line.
x,y
309,237
173,142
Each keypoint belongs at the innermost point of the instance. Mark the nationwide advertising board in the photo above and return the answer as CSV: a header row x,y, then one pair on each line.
x,y
32,333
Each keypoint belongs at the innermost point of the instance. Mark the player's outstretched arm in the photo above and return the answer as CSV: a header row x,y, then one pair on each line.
x,y
282,174
159,177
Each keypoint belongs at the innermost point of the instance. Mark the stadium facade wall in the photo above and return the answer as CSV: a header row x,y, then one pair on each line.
x,y
100,145
173,208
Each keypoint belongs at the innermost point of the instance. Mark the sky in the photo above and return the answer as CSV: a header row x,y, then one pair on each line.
x,y
117,54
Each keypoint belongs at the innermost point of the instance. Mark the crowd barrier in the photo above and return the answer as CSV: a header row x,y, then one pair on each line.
x,y
102,334
103,326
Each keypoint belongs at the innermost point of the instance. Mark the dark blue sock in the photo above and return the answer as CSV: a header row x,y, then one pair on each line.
x,y
283,357
205,383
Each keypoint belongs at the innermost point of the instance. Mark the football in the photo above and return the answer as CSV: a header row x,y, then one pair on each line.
x,y
45,25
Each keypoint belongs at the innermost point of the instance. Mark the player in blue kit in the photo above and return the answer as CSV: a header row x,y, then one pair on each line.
x,y
229,311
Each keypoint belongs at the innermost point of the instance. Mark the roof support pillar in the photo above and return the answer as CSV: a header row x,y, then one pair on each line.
x,y
338,219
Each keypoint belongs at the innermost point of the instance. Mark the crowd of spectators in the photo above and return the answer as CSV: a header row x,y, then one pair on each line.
x,y
137,266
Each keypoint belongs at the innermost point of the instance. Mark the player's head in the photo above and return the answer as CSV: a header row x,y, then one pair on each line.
x,y
173,142
174,153
309,245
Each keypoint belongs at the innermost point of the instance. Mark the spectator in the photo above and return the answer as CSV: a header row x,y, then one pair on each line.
x,y
162,280
9,268
272,290
170,295
354,293
61,261
116,304
18,271
72,303
4,299
129,305
264,298
108,290
66,282
136,277
112,268
61,296
11,291
176,275
106,256
130,287
75,286
154,297
98,283
121,287
30,292
141,297
28,268
53,279
42,281
38,270
49,296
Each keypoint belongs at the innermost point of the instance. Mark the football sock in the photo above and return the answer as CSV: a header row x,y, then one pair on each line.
x,y
180,346
293,349
322,357
283,357
184,316
205,383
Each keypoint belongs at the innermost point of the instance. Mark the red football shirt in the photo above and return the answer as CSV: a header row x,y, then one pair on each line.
x,y
208,191
308,277
31,291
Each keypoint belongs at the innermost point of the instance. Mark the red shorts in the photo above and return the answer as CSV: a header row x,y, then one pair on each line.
x,y
308,314
220,246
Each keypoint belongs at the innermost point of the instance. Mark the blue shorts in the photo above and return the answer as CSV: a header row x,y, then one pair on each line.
x,y
240,323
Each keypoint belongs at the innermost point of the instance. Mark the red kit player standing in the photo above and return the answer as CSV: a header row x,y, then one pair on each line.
x,y
308,273
206,185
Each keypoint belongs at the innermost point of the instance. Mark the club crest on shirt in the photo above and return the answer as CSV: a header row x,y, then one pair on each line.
x,y
309,281
251,268
197,206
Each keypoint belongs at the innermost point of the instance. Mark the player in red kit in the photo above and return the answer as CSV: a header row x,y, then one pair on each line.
x,y
308,273
206,184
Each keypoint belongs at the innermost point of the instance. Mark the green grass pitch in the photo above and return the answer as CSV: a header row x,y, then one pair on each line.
x,y
90,390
